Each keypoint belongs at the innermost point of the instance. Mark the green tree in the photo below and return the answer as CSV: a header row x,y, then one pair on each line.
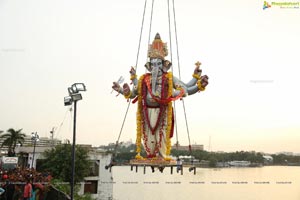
x,y
58,161
212,162
124,157
11,138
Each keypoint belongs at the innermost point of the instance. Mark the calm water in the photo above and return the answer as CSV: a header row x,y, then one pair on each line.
x,y
265,183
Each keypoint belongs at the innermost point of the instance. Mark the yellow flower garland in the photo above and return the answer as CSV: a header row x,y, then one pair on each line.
x,y
169,116
139,120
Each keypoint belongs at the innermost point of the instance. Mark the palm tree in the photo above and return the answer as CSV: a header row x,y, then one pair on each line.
x,y
11,138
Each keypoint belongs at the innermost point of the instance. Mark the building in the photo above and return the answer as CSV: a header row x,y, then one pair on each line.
x,y
43,142
28,160
99,183
28,142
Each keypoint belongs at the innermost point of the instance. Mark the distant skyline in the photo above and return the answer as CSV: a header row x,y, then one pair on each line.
x,y
251,55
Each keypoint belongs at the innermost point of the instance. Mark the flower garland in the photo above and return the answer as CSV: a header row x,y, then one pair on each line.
x,y
139,120
169,98
169,116
145,107
160,121
146,119
157,145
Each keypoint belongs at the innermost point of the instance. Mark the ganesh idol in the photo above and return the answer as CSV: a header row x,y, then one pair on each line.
x,y
154,93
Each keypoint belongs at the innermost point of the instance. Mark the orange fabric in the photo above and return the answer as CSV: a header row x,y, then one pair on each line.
x,y
27,190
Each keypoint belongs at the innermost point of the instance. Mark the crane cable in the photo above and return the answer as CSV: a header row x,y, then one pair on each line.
x,y
178,62
57,131
183,104
171,55
136,64
150,26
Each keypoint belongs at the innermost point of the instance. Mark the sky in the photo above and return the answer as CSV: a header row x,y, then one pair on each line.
x,y
251,56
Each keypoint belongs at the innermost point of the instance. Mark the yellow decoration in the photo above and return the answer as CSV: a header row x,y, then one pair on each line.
x,y
200,87
169,115
168,159
127,96
139,157
133,77
196,76
178,87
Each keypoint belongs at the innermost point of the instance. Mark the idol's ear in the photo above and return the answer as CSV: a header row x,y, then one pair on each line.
x,y
148,66
166,65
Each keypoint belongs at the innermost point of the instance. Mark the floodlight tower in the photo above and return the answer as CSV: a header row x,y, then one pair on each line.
x,y
74,96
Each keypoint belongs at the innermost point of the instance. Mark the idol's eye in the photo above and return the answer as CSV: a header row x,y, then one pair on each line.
x,y
159,63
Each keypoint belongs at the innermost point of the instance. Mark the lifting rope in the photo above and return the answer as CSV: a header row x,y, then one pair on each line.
x,y
129,102
150,26
171,55
177,48
57,131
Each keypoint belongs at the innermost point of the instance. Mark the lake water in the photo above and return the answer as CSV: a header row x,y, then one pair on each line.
x,y
263,183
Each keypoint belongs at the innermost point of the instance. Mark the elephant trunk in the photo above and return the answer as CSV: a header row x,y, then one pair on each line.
x,y
154,73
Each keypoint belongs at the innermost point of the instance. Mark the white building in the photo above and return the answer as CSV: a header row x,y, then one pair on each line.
x,y
29,159
100,181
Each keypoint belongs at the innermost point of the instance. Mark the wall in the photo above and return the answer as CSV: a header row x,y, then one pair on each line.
x,y
104,179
